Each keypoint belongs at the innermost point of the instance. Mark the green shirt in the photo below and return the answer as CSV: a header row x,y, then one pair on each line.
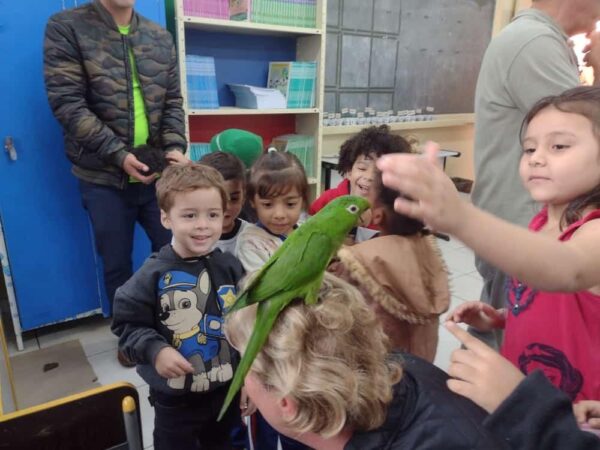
x,y
140,123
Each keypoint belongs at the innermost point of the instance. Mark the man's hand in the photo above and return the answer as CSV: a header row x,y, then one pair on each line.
x,y
480,373
170,364
176,157
478,315
134,167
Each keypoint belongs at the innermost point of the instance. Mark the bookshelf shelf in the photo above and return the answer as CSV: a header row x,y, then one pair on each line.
x,y
233,111
245,27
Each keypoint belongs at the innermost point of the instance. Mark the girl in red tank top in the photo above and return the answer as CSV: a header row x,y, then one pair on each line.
x,y
552,314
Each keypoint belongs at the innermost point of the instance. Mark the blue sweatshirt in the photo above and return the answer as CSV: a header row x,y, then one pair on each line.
x,y
178,302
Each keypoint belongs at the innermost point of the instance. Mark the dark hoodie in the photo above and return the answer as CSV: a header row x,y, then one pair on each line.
x,y
426,415
178,302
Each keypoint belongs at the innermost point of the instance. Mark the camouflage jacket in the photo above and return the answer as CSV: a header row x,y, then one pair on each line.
x,y
89,84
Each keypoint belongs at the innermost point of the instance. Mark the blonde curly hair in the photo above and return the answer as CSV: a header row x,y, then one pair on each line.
x,y
330,358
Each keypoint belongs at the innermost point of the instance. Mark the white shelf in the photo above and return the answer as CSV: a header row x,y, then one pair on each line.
x,y
231,111
245,27
440,121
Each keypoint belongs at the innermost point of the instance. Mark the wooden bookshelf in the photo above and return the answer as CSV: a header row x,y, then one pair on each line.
x,y
218,38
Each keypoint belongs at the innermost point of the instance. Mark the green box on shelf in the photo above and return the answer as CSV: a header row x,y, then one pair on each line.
x,y
293,13
302,146
198,150
296,80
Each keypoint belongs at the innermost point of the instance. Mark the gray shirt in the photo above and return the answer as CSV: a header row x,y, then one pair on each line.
x,y
530,59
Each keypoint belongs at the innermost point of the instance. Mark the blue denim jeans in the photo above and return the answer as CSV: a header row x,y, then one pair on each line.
x,y
113,213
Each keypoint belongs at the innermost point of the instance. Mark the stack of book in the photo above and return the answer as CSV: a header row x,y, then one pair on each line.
x,y
255,97
201,82
296,80
217,9
198,150
293,13
302,146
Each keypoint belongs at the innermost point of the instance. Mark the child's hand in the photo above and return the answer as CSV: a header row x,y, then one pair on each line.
x,y
433,197
247,407
478,315
169,363
588,412
479,373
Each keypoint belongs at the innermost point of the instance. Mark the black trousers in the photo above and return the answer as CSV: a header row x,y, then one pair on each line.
x,y
190,422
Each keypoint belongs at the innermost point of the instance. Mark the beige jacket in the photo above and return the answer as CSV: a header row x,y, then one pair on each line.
x,y
405,280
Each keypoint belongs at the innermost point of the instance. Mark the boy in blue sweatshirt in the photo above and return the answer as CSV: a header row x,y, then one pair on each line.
x,y
169,315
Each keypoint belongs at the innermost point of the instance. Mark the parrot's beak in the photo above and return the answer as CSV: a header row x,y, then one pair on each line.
x,y
365,218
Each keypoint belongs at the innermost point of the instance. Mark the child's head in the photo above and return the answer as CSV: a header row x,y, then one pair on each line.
x,y
560,165
385,217
278,191
192,198
327,363
233,171
359,153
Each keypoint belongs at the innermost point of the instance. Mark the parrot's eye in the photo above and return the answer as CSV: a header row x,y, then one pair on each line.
x,y
353,209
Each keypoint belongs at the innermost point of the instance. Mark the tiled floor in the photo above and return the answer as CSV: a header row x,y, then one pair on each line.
x,y
100,345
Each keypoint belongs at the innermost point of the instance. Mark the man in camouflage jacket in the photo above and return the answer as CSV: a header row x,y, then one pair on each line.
x,y
113,84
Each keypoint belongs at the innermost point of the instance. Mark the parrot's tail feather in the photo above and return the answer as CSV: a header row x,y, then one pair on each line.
x,y
265,318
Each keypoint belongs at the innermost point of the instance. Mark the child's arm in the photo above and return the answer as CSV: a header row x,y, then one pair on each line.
x,y
529,412
133,322
479,315
537,260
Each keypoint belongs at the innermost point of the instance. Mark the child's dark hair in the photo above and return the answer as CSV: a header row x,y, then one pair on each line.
x,y
394,222
228,165
371,140
276,173
585,101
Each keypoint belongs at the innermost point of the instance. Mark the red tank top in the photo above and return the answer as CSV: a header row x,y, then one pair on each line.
x,y
556,332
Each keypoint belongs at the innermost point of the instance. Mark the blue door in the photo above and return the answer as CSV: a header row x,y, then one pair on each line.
x,y
47,232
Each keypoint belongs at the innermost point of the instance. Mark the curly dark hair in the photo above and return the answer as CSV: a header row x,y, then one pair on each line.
x,y
585,101
374,139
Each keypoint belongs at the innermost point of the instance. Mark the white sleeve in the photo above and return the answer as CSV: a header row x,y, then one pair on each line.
x,y
253,250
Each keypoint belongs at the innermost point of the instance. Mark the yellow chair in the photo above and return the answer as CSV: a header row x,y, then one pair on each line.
x,y
102,418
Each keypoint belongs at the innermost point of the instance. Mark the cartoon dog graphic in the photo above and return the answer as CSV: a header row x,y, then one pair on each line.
x,y
196,334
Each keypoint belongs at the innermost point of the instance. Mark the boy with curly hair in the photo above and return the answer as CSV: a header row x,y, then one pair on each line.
x,y
357,163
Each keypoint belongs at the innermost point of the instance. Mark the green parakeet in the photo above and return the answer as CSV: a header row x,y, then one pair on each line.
x,y
294,271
